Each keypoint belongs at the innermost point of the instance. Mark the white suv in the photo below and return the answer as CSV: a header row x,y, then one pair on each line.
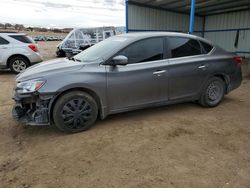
x,y
18,51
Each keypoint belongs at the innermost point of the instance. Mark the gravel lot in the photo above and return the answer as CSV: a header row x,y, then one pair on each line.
x,y
176,146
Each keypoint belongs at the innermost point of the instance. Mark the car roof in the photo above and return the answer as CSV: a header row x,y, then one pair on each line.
x,y
142,35
10,33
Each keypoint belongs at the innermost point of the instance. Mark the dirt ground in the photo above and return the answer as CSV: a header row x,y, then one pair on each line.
x,y
48,49
175,146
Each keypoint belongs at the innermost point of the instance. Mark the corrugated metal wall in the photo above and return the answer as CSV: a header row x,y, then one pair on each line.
x,y
223,28
145,18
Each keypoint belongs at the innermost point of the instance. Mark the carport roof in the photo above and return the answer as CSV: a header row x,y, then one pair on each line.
x,y
203,7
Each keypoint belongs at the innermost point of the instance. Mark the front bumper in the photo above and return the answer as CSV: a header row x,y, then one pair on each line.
x,y
31,109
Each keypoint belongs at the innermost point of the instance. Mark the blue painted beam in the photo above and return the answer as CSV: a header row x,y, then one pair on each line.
x,y
225,30
192,16
126,15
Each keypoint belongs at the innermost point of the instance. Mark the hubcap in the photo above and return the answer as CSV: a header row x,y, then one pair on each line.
x,y
214,91
19,65
76,113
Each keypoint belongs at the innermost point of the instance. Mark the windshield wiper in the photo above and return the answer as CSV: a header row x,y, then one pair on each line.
x,y
74,59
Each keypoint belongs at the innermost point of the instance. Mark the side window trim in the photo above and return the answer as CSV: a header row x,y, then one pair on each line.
x,y
165,47
164,54
201,47
168,52
204,50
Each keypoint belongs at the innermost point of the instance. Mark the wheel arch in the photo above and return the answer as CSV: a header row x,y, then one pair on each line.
x,y
222,76
83,89
225,78
16,55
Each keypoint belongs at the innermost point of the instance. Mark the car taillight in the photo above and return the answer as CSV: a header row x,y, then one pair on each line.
x,y
33,47
238,60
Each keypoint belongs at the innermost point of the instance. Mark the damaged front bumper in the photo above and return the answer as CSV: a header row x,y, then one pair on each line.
x,y
31,109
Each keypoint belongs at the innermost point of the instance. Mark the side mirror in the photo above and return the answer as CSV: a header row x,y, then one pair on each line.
x,y
120,60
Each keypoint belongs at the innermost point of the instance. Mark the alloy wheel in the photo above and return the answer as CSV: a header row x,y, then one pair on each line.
x,y
19,65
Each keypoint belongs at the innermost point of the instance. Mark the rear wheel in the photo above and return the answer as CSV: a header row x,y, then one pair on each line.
x,y
18,64
213,92
75,112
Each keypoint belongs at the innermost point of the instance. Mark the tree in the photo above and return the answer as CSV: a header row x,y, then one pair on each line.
x,y
16,26
7,25
19,27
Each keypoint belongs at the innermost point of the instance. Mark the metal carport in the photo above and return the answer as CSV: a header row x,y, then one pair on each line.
x,y
225,22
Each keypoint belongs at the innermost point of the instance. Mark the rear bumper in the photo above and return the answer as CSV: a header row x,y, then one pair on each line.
x,y
235,80
35,58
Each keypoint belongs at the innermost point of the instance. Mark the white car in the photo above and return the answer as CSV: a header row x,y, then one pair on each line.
x,y
18,51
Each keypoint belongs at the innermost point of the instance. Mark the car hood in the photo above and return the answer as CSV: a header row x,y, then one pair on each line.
x,y
48,68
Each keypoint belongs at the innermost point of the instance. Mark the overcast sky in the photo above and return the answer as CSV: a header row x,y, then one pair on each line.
x,y
63,13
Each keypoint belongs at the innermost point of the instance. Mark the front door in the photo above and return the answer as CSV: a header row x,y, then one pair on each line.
x,y
139,82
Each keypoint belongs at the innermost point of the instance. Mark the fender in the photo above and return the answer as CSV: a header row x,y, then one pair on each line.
x,y
79,86
222,75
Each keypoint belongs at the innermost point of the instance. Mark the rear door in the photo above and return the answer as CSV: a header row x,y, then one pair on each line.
x,y
139,82
4,48
188,68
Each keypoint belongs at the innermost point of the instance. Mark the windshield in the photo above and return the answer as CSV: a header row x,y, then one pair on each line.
x,y
99,50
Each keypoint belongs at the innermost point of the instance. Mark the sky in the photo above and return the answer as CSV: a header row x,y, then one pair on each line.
x,y
63,13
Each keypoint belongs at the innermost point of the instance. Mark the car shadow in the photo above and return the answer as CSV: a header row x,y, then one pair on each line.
x,y
117,119
6,72
51,130
27,130
151,111
228,100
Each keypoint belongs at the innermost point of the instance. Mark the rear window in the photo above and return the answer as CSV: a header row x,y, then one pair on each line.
x,y
183,47
21,38
207,47
3,41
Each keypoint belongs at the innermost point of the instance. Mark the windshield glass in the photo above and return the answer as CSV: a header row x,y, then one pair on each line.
x,y
100,49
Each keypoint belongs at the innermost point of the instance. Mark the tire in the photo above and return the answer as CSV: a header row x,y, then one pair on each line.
x,y
69,54
74,112
60,53
213,92
18,64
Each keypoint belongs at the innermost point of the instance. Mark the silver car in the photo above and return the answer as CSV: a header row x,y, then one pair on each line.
x,y
17,52
123,73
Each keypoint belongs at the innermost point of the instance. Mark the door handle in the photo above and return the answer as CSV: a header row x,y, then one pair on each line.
x,y
203,67
158,73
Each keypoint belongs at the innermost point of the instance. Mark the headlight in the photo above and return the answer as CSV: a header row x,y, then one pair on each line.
x,y
29,86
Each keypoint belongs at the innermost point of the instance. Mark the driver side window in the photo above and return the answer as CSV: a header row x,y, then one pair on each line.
x,y
144,51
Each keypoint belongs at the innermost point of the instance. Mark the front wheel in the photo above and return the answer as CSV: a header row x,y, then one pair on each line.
x,y
213,92
75,111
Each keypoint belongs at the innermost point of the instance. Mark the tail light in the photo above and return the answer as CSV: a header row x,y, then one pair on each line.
x,y
33,47
238,60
